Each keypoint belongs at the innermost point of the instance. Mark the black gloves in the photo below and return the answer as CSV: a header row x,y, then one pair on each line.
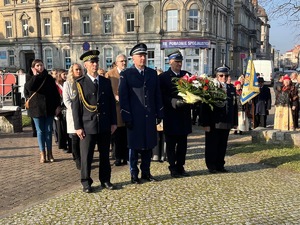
x,y
177,103
129,125
158,121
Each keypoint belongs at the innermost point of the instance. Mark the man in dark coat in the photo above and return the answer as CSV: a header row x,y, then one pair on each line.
x,y
262,103
141,105
177,116
217,124
95,119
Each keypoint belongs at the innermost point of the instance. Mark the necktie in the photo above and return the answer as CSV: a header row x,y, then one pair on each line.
x,y
142,73
96,83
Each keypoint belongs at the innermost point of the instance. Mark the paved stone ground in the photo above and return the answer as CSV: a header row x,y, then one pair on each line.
x,y
34,193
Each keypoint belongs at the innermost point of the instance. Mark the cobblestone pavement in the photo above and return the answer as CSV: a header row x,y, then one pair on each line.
x,y
34,193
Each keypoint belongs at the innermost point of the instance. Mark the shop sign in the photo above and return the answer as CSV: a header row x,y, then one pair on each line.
x,y
185,43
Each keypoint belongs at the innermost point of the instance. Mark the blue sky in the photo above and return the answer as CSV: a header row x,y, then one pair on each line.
x,y
283,37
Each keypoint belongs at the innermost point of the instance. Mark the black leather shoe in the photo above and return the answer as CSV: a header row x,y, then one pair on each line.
x,y
149,178
124,162
135,180
87,189
223,170
108,185
212,171
175,174
118,162
184,174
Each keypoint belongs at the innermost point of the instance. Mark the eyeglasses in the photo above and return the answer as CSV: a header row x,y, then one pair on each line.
x,y
222,75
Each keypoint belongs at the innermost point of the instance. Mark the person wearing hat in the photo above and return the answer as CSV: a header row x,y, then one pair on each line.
x,y
95,119
177,116
141,105
262,104
217,123
284,104
243,110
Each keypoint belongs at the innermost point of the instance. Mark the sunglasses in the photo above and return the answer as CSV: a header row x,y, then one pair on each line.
x,y
222,75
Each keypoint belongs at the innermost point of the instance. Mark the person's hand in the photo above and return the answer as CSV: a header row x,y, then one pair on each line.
x,y
80,133
113,128
177,103
293,107
34,71
129,125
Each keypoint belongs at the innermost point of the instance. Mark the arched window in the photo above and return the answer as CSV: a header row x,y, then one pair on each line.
x,y
172,17
194,18
149,19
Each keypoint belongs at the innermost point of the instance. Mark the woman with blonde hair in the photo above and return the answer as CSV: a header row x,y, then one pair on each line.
x,y
69,93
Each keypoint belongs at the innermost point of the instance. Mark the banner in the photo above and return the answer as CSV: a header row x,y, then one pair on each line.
x,y
250,87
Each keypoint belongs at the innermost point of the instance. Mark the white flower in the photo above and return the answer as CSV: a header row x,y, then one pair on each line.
x,y
196,83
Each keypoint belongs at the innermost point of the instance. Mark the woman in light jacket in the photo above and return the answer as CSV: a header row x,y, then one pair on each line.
x,y
69,93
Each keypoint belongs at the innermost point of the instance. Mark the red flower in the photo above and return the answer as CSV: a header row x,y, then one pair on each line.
x,y
194,77
205,88
206,81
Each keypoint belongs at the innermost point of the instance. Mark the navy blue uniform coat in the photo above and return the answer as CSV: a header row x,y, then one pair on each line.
x,y
141,104
101,120
176,121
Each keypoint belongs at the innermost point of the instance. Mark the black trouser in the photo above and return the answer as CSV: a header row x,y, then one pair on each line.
x,y
121,150
260,120
87,146
176,146
159,149
295,115
215,148
75,147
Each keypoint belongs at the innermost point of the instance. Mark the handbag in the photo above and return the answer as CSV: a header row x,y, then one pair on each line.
x,y
27,101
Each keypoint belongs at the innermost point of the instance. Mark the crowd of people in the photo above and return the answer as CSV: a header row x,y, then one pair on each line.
x,y
137,113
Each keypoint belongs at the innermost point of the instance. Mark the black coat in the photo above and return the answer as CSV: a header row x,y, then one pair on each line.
x,y
141,104
221,117
176,121
46,100
263,101
105,115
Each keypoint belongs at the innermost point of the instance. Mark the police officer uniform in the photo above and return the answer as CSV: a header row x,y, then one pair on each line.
x,y
177,119
94,111
219,121
140,103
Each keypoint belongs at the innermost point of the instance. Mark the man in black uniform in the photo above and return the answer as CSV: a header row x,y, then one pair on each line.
x,y
177,116
217,124
94,114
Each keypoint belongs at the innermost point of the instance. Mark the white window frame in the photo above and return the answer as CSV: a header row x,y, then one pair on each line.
x,y
47,26
172,20
108,57
194,19
67,58
8,29
86,24
48,59
25,27
65,25
150,58
107,23
130,22
11,57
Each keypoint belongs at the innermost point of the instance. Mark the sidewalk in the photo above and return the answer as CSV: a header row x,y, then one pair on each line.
x,y
34,193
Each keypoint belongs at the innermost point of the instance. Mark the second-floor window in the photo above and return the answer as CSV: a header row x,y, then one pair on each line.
x,y
193,19
65,25
6,2
86,24
107,23
8,27
129,22
25,27
172,20
47,27
23,1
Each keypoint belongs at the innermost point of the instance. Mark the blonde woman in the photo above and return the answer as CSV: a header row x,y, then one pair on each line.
x,y
69,94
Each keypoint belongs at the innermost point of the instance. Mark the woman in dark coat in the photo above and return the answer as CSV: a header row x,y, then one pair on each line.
x,y
44,99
